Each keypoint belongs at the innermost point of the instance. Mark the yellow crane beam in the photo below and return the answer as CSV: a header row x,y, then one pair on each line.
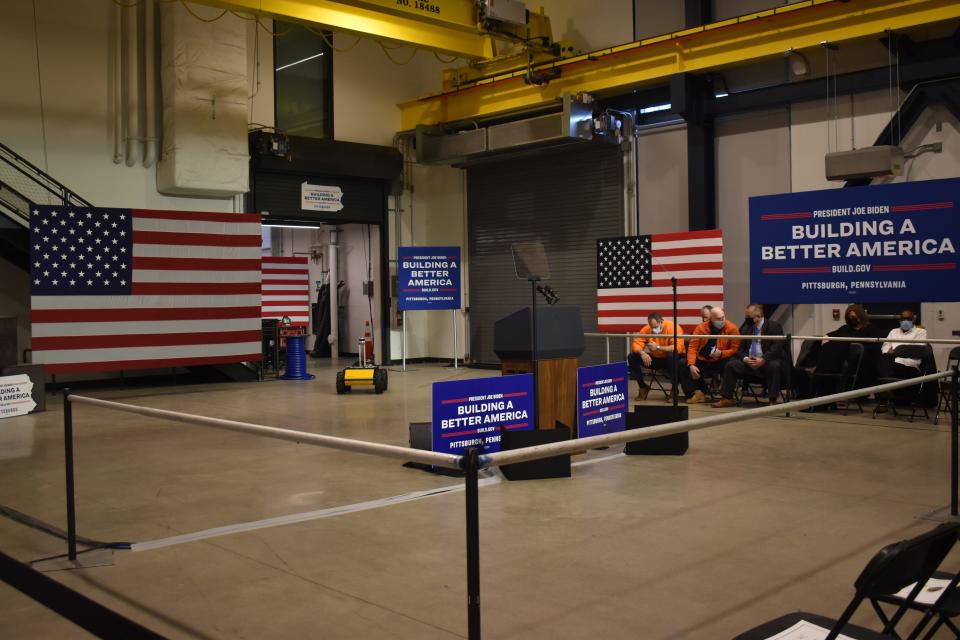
x,y
444,26
757,36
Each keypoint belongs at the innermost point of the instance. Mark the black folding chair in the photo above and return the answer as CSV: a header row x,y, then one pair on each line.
x,y
752,386
712,382
756,388
944,401
938,600
659,378
894,567
912,396
845,379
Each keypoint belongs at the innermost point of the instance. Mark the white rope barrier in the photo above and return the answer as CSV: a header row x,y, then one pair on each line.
x,y
504,457
634,435
448,461
773,338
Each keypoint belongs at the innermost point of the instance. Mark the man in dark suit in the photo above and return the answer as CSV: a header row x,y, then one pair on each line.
x,y
763,359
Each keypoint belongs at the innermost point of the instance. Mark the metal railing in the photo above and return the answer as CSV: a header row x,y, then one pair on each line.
x,y
31,184
472,461
788,337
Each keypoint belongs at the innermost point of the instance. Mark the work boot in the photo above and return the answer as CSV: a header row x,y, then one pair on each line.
x,y
642,393
697,398
723,403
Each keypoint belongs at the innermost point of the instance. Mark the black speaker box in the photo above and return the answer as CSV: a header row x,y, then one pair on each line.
x,y
421,436
553,467
648,416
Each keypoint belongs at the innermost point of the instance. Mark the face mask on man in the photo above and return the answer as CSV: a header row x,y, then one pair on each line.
x,y
851,321
657,329
748,320
906,325
718,324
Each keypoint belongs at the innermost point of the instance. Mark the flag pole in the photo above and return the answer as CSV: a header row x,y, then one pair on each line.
x,y
676,351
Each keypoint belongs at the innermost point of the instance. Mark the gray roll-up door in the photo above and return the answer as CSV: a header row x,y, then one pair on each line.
x,y
566,200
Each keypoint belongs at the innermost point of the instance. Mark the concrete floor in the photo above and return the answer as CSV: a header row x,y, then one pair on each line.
x,y
758,519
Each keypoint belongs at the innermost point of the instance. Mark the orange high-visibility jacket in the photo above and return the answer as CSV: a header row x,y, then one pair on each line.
x,y
728,346
664,339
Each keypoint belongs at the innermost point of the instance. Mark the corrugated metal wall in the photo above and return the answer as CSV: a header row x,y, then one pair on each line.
x,y
566,200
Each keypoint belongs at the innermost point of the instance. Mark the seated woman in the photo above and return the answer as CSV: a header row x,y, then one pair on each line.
x,y
858,326
828,356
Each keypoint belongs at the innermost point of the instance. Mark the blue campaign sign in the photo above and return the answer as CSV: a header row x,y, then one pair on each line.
x,y
601,399
469,413
429,278
881,243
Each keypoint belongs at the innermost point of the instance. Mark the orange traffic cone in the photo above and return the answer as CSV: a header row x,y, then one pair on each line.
x,y
368,337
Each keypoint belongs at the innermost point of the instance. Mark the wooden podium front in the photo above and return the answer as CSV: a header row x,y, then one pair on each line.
x,y
556,388
559,345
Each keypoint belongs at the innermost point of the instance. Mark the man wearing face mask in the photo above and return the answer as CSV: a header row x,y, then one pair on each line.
x,y
713,343
763,359
705,313
653,349
891,367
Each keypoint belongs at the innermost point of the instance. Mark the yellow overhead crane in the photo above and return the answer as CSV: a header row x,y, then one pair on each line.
x,y
737,41
539,71
467,29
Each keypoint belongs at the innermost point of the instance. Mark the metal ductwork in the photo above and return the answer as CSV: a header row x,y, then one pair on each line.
x,y
575,124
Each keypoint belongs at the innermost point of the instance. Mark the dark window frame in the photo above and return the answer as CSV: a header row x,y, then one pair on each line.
x,y
327,96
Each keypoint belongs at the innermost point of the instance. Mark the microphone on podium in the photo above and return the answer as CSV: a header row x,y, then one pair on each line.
x,y
551,296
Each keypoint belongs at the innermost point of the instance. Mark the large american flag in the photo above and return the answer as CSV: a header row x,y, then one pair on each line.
x,y
286,289
633,278
116,289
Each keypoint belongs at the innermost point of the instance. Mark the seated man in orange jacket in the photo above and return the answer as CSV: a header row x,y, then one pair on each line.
x,y
653,349
712,345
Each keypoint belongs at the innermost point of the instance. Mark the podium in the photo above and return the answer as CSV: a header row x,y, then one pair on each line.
x,y
560,343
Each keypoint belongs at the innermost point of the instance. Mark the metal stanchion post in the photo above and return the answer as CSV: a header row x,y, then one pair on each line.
x,y
403,345
674,370
453,314
788,374
535,356
471,462
608,349
954,421
68,456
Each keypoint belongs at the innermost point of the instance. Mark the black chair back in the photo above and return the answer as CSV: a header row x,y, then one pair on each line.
x,y
809,353
903,563
914,351
854,360
899,565
953,358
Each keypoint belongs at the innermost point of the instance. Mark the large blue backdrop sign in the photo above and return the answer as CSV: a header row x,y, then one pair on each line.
x,y
469,413
601,399
881,243
429,278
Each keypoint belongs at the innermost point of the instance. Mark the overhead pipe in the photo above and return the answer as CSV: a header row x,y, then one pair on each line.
x,y
132,59
123,61
150,143
116,81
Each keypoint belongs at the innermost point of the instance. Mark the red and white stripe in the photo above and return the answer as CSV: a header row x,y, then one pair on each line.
x,y
695,258
195,299
286,289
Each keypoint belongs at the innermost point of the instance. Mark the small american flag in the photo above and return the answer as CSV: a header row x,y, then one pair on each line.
x,y
115,289
633,278
286,289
